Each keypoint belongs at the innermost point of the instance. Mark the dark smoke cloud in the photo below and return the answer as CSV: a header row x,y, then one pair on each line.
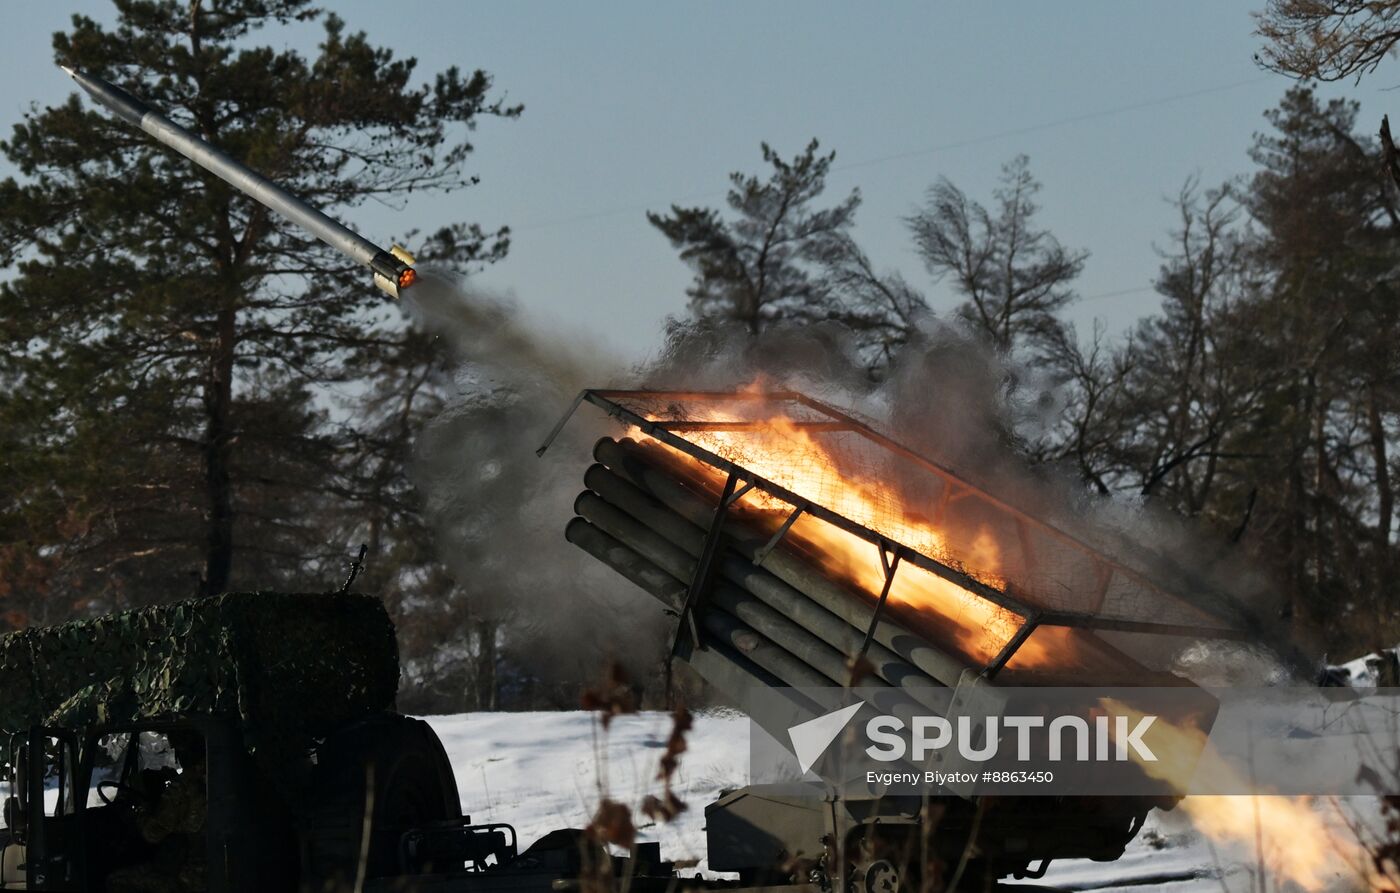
x,y
501,511
949,397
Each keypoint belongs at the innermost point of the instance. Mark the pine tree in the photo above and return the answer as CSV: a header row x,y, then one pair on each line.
x,y
1013,277
766,265
1325,326
167,344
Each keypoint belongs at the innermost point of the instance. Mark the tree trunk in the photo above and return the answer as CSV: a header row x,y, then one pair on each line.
x,y
218,442
487,690
1295,516
1385,512
1321,528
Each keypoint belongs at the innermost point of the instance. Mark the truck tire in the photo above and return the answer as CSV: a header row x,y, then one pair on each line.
x,y
395,766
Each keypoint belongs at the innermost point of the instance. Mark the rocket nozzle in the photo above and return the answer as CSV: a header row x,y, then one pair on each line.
x,y
393,270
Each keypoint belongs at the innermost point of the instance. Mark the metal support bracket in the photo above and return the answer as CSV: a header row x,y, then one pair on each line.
x,y
563,420
1012,646
889,567
736,495
704,566
761,555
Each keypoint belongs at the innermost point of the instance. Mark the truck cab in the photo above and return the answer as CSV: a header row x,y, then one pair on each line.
x,y
239,742
115,807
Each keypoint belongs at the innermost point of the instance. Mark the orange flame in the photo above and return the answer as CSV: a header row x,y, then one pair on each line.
x,y
780,450
1292,839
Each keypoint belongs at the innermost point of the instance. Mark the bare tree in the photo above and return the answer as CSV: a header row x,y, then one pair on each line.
x,y
1189,389
1092,422
883,307
1328,40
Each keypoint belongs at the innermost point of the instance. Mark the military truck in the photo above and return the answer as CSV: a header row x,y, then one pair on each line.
x,y
237,743
249,742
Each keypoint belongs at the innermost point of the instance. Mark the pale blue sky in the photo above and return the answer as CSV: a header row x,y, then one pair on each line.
x,y
632,105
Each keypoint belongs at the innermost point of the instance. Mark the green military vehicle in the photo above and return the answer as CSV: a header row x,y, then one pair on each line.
x,y
249,742
237,743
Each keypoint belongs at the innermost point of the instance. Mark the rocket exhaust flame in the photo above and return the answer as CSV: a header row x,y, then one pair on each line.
x,y
822,538
998,586
392,270
1290,837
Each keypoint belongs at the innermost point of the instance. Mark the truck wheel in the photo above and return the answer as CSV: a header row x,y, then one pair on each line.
x,y
412,785
883,859
880,876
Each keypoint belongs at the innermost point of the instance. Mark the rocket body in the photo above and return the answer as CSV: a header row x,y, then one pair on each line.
x,y
393,270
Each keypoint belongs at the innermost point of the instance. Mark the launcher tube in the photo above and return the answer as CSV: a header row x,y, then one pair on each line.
x,y
727,597
837,632
635,464
791,671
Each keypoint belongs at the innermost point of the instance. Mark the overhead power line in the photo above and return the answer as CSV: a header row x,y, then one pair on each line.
x,y
1049,125
1117,294
912,153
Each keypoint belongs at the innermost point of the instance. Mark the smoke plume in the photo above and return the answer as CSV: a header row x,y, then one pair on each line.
x,y
500,511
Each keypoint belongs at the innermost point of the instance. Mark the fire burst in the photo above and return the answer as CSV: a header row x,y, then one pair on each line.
x,y
998,587
1291,838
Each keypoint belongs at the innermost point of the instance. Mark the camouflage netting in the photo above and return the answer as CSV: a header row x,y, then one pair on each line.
x,y
289,668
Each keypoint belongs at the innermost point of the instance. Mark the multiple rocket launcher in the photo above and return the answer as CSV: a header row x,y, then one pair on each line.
x,y
392,269
772,617
773,627
808,625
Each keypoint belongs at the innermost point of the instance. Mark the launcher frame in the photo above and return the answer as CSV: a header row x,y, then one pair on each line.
x,y
892,553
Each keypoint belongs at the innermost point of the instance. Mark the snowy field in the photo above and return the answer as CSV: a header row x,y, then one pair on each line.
x,y
540,771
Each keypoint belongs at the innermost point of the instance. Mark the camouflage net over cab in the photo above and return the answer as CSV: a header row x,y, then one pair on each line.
x,y
289,668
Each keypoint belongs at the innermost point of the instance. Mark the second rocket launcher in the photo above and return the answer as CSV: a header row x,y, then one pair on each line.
x,y
393,269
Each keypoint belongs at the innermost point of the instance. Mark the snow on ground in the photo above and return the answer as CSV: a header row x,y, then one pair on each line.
x,y
540,771
1364,672
1166,855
